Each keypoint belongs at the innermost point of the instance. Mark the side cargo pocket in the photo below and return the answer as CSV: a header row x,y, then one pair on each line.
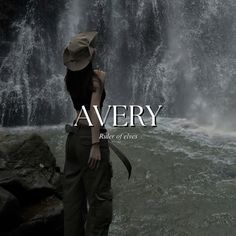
x,y
111,168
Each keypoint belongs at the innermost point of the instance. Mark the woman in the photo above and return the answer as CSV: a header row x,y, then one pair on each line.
x,y
88,171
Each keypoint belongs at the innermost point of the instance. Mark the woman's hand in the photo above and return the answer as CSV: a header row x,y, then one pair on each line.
x,y
94,157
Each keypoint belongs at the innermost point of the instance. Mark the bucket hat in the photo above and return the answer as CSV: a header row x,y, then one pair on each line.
x,y
80,51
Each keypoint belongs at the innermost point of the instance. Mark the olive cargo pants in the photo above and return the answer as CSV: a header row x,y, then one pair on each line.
x,y
87,193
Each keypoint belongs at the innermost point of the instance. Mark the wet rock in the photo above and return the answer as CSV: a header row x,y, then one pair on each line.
x,y
12,183
30,187
9,209
2,161
44,217
30,166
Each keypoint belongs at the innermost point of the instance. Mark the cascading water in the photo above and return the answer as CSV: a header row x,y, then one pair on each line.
x,y
32,88
176,53
198,69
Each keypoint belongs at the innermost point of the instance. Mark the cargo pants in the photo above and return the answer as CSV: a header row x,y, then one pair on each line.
x,y
87,193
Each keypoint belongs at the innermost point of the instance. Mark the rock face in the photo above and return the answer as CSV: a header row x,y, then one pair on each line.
x,y
30,187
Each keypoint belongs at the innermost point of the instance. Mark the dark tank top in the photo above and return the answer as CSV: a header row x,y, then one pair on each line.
x,y
86,101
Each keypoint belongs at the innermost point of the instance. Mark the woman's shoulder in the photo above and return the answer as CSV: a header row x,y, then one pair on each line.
x,y
101,74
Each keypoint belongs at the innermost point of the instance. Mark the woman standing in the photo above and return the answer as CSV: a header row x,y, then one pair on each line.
x,y
88,171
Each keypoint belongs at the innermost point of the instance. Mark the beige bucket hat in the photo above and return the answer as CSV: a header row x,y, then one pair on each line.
x,y
80,51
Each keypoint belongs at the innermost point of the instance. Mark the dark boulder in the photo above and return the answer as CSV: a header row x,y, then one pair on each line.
x,y
30,167
9,210
30,187
44,217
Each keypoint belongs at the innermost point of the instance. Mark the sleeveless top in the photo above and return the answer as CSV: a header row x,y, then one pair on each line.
x,y
86,101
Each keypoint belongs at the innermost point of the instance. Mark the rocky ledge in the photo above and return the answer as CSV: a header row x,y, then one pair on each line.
x,y
30,188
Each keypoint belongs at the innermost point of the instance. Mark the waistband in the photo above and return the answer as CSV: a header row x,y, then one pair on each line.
x,y
80,128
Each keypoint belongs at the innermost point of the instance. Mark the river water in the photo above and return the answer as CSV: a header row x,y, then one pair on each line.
x,y
183,180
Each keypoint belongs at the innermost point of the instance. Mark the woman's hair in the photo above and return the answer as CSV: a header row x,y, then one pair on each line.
x,y
79,83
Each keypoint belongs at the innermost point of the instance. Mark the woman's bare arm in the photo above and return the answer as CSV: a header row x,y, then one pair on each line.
x,y
95,154
95,100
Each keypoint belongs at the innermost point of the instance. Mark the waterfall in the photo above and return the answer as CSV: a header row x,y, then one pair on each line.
x,y
32,88
198,69
176,53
